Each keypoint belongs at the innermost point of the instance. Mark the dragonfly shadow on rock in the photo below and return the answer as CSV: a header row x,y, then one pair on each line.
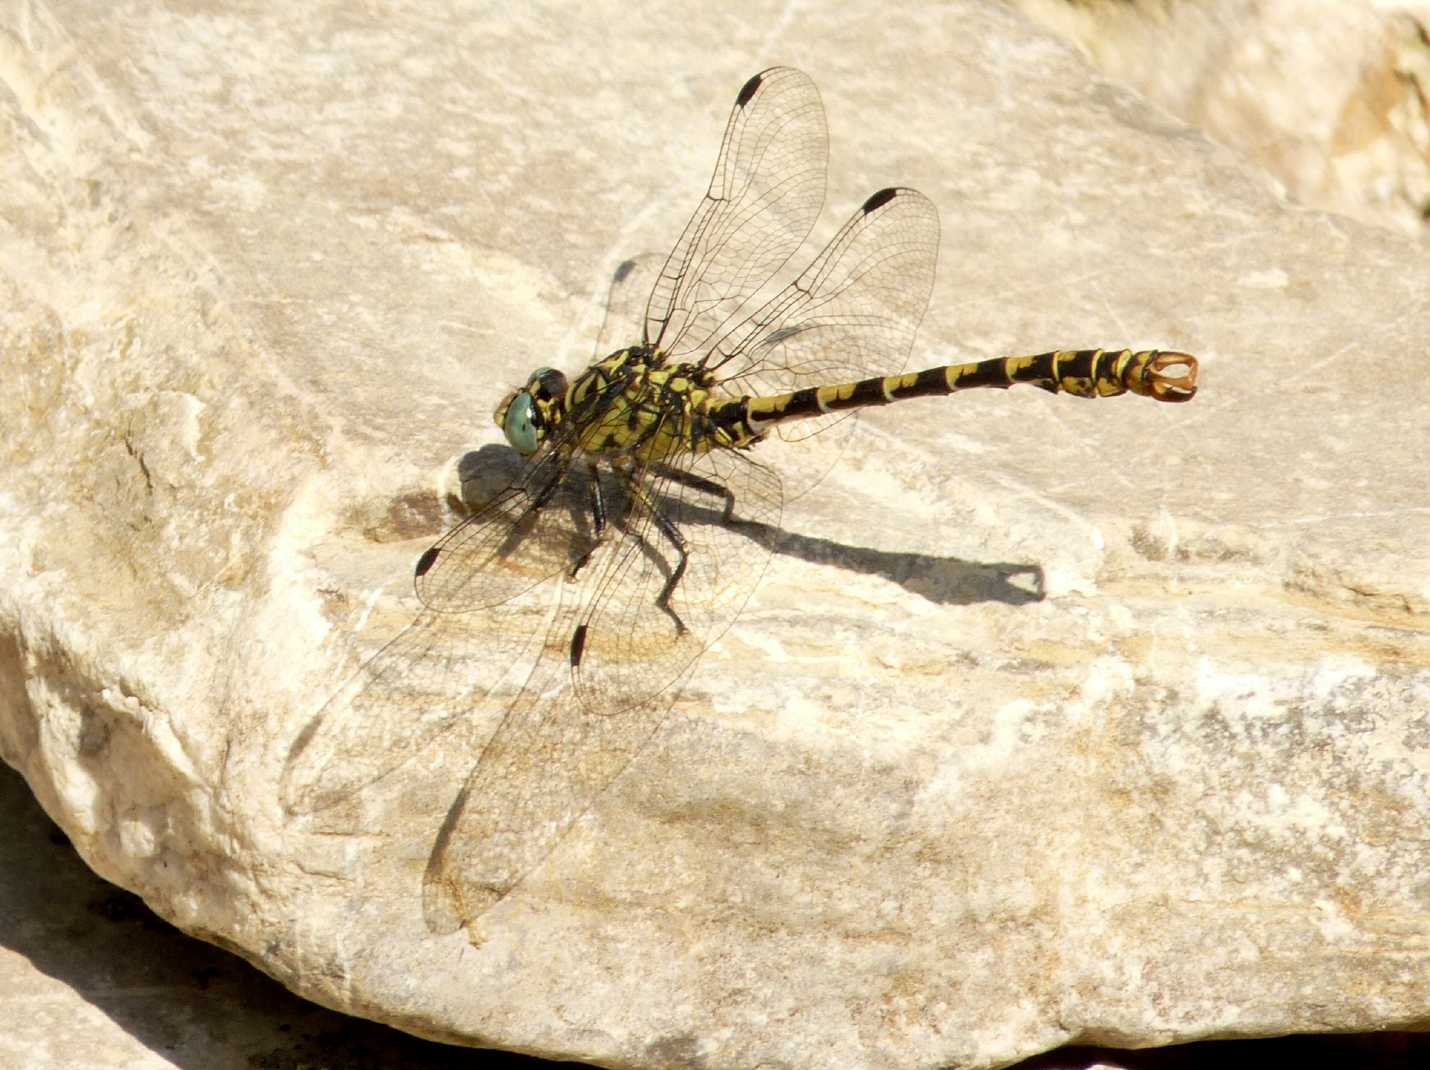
x,y
940,579
944,580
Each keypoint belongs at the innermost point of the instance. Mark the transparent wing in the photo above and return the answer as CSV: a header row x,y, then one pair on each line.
x,y
549,760
631,285
851,315
676,563
575,728
764,197
431,676
418,687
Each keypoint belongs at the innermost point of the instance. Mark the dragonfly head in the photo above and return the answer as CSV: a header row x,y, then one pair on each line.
x,y
527,415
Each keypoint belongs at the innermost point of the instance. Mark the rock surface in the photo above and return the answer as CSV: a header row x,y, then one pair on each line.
x,y
1065,721
92,980
1332,99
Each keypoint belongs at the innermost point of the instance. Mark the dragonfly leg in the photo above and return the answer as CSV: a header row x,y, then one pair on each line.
x,y
709,486
598,519
667,528
677,540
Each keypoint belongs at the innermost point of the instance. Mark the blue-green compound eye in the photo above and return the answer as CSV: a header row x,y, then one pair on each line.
x,y
520,427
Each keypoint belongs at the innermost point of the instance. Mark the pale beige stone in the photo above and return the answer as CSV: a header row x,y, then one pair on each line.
x,y
1054,720
1331,98
91,980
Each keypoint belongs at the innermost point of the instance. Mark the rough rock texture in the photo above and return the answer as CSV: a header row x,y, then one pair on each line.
x,y
1051,721
1332,99
91,980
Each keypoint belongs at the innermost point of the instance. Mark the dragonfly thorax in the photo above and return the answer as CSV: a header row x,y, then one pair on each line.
x,y
634,404
630,402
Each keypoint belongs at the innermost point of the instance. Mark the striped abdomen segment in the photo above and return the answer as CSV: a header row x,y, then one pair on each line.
x,y
1086,373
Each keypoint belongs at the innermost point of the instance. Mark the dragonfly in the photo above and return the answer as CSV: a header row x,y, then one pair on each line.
x,y
631,515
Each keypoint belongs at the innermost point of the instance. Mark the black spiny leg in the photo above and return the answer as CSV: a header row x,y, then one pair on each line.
x,y
598,519
709,486
672,533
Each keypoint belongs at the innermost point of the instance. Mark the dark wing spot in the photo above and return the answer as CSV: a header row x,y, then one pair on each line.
x,y
878,200
426,561
578,644
749,89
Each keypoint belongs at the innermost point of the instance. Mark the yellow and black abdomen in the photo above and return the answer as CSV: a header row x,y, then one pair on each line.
x,y
1087,373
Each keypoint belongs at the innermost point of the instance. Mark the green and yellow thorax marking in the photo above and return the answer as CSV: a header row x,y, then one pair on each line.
x,y
627,403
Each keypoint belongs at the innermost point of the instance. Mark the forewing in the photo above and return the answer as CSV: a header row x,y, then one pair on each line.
x,y
575,728
851,315
765,194
418,687
431,676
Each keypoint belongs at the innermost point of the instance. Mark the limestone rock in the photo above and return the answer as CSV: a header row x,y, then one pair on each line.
x,y
1050,720
91,980
1332,99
